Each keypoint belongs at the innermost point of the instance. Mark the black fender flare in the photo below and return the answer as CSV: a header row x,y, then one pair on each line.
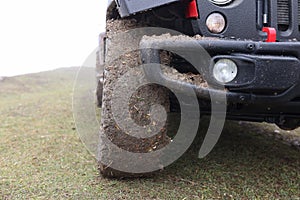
x,y
129,7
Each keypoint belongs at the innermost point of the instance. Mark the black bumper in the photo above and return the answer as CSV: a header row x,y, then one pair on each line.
x,y
269,73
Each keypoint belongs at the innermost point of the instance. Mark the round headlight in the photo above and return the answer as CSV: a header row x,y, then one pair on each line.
x,y
216,23
225,71
221,2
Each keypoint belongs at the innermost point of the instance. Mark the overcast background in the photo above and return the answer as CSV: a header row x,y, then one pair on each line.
x,y
39,35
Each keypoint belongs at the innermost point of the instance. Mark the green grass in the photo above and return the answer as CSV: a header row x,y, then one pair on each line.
x,y
41,156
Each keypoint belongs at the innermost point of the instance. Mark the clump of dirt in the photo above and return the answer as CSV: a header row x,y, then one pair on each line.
x,y
195,79
167,36
171,72
119,26
199,37
179,37
290,138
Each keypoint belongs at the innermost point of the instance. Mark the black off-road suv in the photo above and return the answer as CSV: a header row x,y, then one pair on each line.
x,y
253,52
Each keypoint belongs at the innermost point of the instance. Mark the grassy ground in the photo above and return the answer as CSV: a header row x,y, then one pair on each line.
x,y
41,156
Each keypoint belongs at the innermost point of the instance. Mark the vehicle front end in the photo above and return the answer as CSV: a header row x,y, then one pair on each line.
x,y
254,50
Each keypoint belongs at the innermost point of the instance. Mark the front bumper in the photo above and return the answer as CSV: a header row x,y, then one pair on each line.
x,y
269,73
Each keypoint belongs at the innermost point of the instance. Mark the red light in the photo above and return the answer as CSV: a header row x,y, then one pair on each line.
x,y
192,9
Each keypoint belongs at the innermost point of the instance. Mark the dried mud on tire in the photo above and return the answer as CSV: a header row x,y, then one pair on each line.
x,y
119,60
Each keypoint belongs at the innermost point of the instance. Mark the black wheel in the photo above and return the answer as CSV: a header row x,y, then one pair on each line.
x,y
100,60
289,124
99,93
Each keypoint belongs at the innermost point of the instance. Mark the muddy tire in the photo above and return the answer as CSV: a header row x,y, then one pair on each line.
x,y
99,92
100,60
121,58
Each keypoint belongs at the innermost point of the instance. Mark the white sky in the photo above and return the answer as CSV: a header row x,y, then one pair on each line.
x,y
39,35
